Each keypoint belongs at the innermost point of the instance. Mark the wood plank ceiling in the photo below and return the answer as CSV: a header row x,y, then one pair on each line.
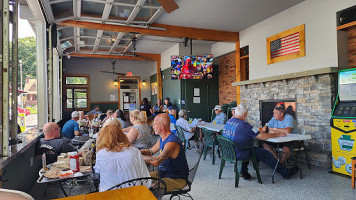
x,y
110,28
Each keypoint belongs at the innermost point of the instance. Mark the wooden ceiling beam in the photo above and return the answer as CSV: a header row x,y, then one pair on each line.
x,y
139,57
168,31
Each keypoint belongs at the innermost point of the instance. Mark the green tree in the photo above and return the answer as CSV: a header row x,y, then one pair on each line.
x,y
27,53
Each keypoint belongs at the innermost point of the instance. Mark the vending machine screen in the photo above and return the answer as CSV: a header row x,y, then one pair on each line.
x,y
347,85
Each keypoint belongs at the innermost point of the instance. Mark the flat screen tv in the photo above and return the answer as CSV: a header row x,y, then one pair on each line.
x,y
192,67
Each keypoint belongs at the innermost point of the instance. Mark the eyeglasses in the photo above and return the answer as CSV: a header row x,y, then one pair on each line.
x,y
59,128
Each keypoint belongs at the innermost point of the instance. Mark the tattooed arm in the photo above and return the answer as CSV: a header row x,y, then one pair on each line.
x,y
171,150
151,151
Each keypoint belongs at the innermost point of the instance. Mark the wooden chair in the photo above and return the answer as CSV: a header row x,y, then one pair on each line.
x,y
353,163
144,113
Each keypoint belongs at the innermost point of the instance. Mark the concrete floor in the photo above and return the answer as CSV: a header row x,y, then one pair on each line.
x,y
316,184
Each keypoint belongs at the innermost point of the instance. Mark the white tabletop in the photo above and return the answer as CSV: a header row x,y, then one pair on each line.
x,y
289,138
212,127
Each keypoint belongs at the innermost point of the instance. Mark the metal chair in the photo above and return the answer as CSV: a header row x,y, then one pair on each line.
x,y
157,186
210,141
228,154
192,171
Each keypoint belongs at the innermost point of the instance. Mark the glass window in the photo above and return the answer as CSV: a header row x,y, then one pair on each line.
x,y
76,80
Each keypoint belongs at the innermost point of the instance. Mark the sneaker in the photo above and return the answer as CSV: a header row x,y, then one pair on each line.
x,y
246,175
293,171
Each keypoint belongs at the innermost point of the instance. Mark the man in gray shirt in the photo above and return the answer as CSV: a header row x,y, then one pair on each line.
x,y
52,140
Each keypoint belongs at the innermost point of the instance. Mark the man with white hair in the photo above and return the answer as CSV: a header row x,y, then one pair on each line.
x,y
71,127
242,133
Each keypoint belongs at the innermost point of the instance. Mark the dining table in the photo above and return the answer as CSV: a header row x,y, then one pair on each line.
x,y
291,137
133,193
211,126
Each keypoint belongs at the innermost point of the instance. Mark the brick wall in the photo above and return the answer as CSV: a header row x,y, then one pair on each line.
x,y
351,33
227,75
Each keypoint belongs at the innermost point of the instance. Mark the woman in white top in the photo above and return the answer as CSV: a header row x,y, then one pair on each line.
x,y
182,122
116,160
140,133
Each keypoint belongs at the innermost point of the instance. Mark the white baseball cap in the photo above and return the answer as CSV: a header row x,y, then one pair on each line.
x,y
75,114
217,107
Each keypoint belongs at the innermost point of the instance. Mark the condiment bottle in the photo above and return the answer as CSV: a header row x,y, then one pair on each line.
x,y
267,129
74,162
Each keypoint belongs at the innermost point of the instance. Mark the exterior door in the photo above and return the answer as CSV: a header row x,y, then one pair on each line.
x,y
129,99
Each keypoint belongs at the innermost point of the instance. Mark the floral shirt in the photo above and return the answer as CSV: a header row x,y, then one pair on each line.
x,y
220,118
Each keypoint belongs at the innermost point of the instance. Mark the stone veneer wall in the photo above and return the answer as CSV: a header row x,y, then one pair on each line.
x,y
314,97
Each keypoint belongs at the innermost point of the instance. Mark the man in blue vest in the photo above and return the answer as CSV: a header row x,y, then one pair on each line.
x,y
171,161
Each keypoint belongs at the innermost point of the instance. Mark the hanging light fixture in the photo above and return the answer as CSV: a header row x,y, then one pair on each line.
x,y
116,83
143,83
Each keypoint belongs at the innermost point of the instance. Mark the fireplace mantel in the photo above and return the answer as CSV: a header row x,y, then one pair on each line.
x,y
327,70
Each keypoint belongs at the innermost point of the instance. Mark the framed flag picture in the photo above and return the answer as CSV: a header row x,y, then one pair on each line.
x,y
287,45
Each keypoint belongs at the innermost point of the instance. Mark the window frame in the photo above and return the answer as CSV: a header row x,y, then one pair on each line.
x,y
301,53
76,86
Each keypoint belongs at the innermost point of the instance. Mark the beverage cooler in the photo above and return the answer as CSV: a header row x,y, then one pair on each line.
x,y
343,123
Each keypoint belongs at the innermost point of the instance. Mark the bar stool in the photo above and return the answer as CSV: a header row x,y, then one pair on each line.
x,y
353,163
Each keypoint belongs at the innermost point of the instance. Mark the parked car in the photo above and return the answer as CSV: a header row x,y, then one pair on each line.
x,y
23,110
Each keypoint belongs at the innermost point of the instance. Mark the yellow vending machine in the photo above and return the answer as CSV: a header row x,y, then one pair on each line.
x,y
343,123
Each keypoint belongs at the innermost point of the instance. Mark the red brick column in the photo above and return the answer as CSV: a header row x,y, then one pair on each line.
x,y
227,75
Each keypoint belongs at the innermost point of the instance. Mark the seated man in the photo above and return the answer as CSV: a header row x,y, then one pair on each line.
x,y
52,140
95,111
171,114
280,123
171,161
71,127
242,133
220,117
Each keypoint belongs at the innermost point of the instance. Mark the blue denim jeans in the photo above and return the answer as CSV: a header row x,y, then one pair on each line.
x,y
267,157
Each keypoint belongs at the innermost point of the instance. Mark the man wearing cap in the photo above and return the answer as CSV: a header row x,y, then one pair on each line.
x,y
71,127
220,117
171,113
95,111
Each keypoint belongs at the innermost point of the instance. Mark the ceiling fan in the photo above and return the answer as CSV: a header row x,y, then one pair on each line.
x,y
113,62
168,5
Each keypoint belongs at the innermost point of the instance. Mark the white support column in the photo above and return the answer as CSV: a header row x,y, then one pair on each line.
x,y
42,83
56,86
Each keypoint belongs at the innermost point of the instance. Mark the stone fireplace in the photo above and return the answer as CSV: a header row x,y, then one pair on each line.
x,y
313,92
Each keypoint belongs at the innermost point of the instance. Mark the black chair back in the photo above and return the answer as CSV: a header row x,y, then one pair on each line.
x,y
157,186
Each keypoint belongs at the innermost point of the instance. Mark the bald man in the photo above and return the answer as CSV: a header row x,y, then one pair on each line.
x,y
171,161
53,141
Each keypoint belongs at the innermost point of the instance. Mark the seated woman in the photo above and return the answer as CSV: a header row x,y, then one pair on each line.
x,y
109,114
146,107
140,133
116,160
119,114
182,122
157,108
166,104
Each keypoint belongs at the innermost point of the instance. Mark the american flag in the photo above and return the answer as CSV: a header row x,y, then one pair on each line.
x,y
284,46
